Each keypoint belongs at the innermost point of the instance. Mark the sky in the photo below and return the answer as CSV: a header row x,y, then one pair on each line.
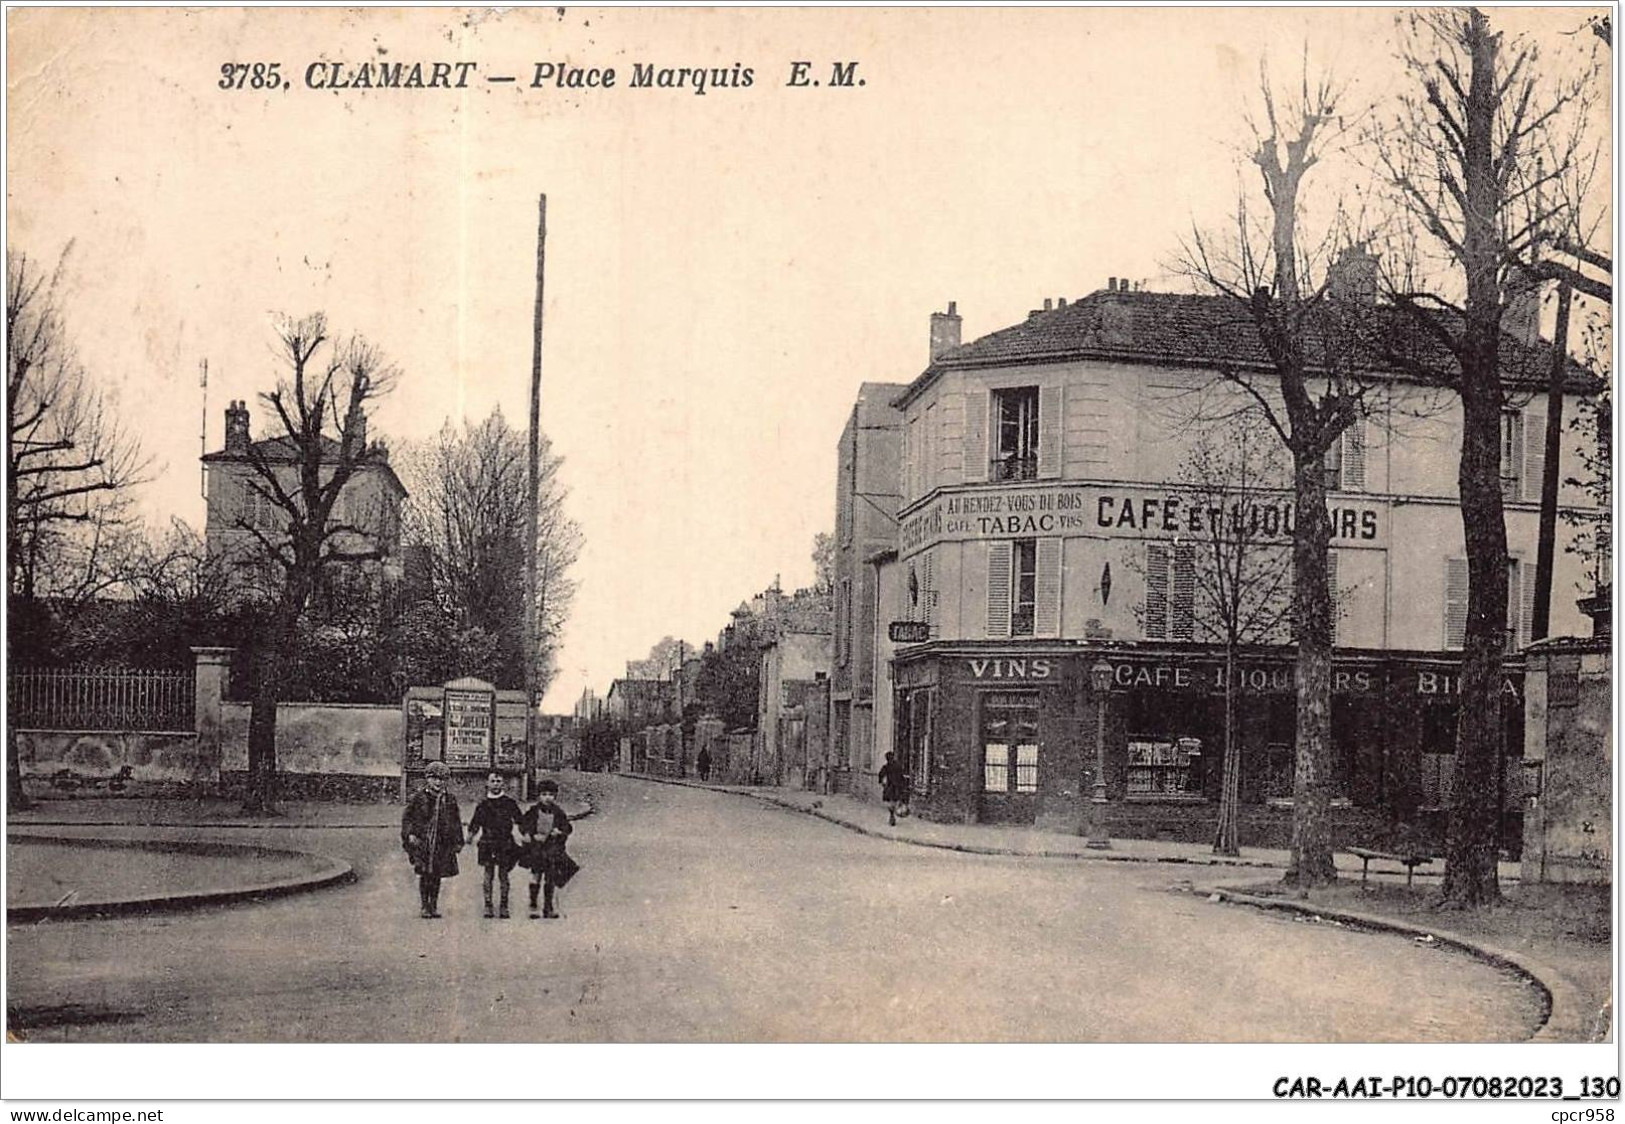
x,y
723,269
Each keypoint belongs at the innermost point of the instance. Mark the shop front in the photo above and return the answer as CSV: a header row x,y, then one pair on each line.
x,y
1017,737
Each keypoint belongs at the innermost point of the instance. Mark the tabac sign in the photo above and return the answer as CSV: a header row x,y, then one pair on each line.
x,y
1099,511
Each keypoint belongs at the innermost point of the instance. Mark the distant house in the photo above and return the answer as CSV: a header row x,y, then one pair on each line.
x,y
239,510
635,703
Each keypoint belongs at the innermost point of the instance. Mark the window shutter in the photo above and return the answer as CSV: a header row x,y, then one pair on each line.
x,y
1534,446
1182,618
1354,456
1455,602
908,461
1512,455
978,462
1051,429
998,590
1520,605
1336,592
1156,591
928,593
1047,611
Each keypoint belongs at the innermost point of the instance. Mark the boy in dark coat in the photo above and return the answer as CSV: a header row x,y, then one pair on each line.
x,y
432,834
495,817
546,827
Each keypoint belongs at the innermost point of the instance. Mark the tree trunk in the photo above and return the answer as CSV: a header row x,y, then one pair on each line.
x,y
1226,838
16,797
1472,849
1311,861
260,790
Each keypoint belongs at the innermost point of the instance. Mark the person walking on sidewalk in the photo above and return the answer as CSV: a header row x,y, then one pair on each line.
x,y
495,818
432,834
546,826
893,787
703,764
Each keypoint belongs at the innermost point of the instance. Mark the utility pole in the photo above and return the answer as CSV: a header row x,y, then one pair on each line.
x,y
1553,437
533,496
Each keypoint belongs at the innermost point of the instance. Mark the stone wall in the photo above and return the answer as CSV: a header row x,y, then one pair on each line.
x,y
1569,760
100,763
323,750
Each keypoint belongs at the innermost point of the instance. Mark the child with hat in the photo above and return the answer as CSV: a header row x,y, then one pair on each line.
x,y
432,834
546,826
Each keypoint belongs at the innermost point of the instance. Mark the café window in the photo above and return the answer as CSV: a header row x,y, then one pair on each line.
x,y
1009,742
1015,433
1164,768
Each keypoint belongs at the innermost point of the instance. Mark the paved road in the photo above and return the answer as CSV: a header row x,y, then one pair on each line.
x,y
705,917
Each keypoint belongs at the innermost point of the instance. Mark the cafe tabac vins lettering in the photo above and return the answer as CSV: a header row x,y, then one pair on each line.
x,y
1069,511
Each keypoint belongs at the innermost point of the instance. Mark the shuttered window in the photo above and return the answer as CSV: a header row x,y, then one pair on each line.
x,y
1520,603
1024,587
1170,590
1345,460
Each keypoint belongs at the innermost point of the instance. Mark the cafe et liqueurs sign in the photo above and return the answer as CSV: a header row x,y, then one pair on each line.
x,y
1043,511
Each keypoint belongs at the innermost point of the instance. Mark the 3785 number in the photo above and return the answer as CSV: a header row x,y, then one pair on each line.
x,y
250,75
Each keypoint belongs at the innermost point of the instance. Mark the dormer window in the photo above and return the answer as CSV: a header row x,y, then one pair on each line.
x,y
1015,433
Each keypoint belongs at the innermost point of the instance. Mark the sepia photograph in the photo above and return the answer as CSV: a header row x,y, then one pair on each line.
x,y
591,532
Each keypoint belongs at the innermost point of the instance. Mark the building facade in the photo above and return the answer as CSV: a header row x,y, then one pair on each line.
x,y
867,495
1048,535
240,509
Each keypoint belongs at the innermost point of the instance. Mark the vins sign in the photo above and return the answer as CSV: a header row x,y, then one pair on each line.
x,y
909,632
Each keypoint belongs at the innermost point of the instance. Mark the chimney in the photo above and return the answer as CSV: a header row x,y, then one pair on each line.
x,y
1353,277
1049,304
1060,302
944,330
1111,284
1520,317
236,427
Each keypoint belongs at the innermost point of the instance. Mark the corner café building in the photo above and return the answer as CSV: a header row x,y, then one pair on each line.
x,y
1002,734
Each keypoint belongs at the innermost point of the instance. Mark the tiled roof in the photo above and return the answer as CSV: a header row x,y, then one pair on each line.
x,y
1180,329
281,450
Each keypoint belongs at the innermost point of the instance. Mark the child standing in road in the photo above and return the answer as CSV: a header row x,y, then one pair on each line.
x,y
546,826
432,834
495,818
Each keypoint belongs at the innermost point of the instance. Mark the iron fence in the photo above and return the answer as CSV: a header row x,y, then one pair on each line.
x,y
100,698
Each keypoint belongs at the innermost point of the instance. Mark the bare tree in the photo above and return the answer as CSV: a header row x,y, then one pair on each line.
x,y
823,555
69,464
1242,574
1477,153
301,473
1315,385
467,515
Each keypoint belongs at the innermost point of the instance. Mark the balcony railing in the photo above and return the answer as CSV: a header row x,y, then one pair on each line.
x,y
1014,468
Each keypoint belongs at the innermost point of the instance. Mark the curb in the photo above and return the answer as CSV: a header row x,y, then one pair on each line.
x,y
962,848
1563,1019
240,825
332,872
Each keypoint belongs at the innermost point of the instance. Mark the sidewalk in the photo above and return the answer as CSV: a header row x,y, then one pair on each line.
x,y
869,817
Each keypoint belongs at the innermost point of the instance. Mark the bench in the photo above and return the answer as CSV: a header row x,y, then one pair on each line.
x,y
1410,861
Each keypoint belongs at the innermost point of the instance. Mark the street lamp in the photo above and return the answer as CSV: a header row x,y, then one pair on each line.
x,y
1100,677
